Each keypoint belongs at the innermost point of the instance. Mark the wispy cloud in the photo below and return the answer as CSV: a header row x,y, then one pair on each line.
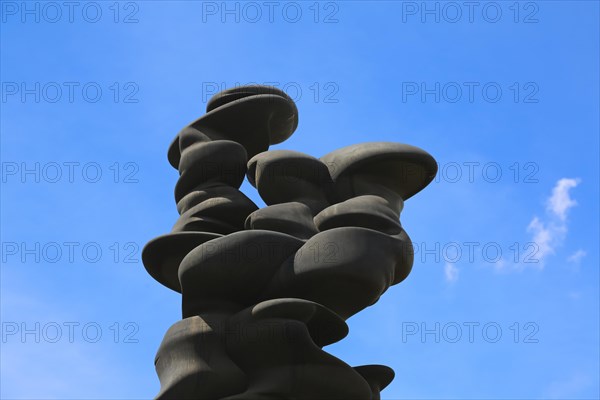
x,y
451,272
501,265
560,202
546,236
550,232
576,257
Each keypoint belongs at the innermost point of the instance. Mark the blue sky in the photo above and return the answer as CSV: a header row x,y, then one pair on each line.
x,y
503,94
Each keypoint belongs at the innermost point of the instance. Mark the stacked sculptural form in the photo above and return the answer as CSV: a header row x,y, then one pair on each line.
x,y
264,290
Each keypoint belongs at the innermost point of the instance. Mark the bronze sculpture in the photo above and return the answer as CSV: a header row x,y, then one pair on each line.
x,y
264,290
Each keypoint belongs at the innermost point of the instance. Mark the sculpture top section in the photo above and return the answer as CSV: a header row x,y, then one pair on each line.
x,y
358,186
328,244
253,116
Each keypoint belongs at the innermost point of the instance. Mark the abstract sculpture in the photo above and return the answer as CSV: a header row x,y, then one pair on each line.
x,y
264,290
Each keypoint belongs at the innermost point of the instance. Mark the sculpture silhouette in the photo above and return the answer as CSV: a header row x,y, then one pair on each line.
x,y
264,290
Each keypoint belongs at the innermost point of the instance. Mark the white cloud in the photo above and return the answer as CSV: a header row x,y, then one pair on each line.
x,y
501,265
576,257
451,273
550,233
560,202
544,236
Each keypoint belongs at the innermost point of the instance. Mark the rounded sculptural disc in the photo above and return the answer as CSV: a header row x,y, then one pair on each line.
x,y
401,168
378,376
254,116
162,255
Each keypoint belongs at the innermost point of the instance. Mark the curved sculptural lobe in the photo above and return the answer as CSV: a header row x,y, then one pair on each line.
x,y
264,290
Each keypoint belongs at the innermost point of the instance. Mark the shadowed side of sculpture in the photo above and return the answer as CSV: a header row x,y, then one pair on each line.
x,y
264,290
